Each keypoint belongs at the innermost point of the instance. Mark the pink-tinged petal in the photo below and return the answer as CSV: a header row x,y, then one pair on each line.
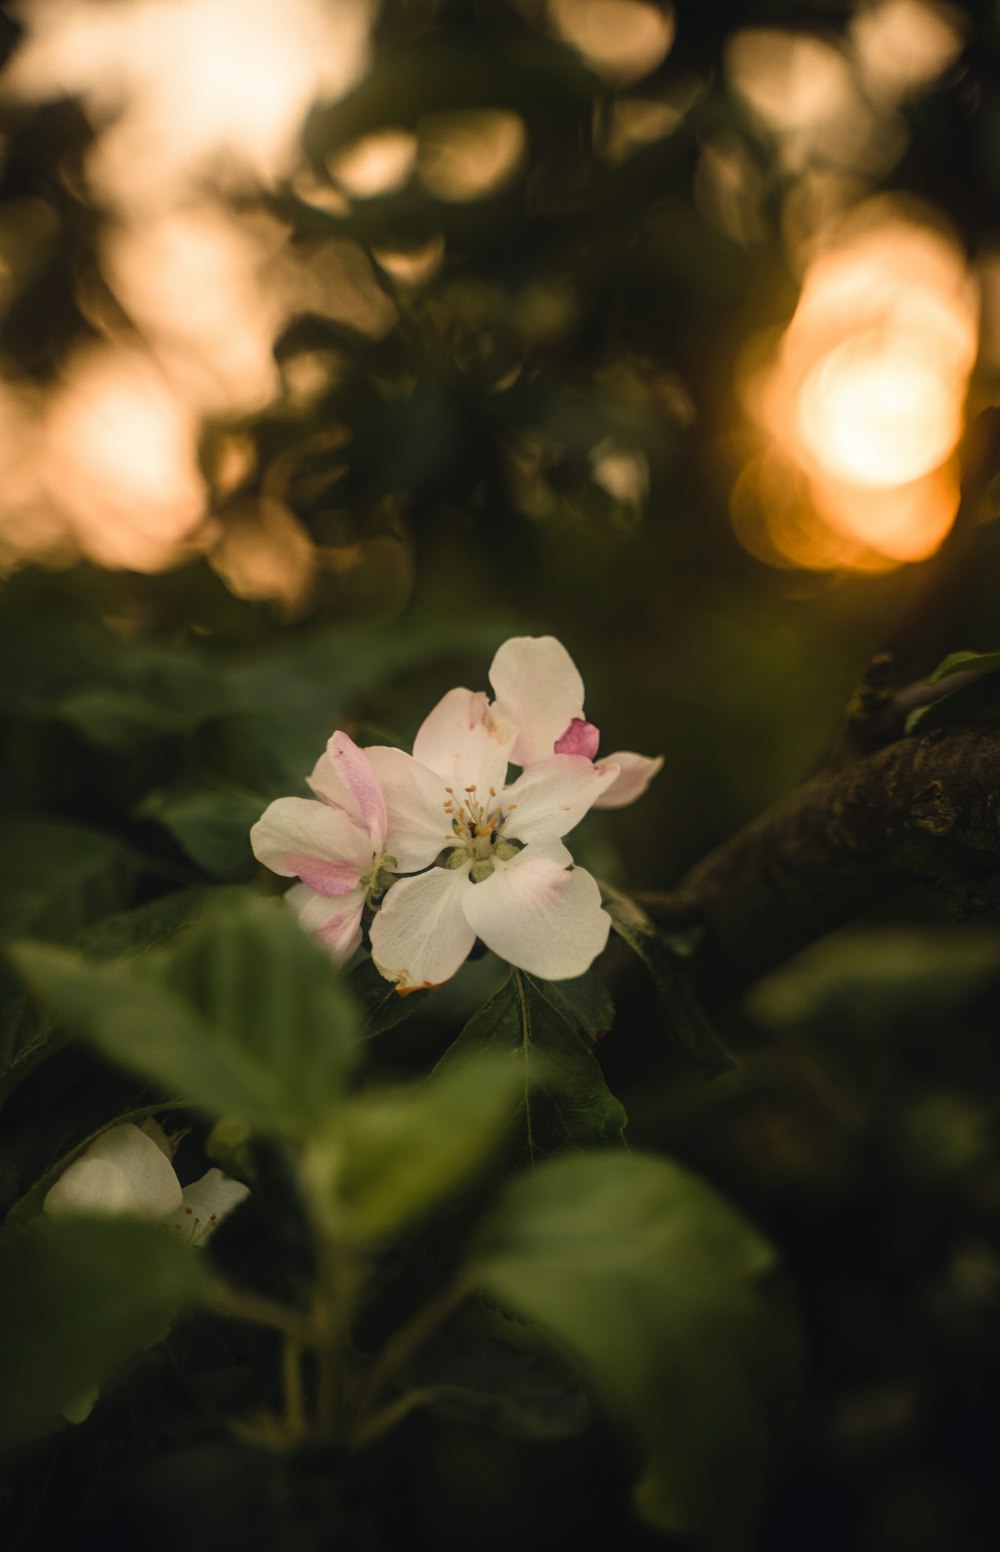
x,y
300,838
123,1170
540,915
419,826
206,1202
352,764
538,688
465,743
635,772
335,923
552,796
328,783
421,936
579,738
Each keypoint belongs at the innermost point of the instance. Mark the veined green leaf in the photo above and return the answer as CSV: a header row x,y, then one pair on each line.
x,y
564,1098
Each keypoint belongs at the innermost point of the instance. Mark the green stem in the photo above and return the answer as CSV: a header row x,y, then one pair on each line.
x,y
399,1349
240,1304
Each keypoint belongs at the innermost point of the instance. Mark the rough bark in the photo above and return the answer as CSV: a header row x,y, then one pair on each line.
x,y
921,809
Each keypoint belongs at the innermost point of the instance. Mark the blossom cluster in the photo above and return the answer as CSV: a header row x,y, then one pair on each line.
x,y
443,846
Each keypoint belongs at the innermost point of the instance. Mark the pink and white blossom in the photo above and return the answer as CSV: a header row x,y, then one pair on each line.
x,y
334,843
504,875
538,688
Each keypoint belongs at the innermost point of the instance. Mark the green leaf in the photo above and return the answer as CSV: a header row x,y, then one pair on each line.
x,y
210,820
866,983
58,877
490,1371
666,1297
148,926
684,1018
244,1016
382,1006
404,1150
564,1098
977,695
78,1298
585,1003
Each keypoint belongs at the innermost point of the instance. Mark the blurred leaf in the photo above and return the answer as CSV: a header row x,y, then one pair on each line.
x,y
871,981
970,700
58,877
486,1370
665,1295
147,693
564,1098
404,1150
78,1297
210,820
684,1019
245,1015
148,926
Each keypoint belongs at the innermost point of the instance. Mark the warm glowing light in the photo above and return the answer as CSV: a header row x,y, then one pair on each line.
x,y
193,280
120,460
621,39
264,553
188,88
877,411
864,398
468,155
803,90
903,46
376,164
412,266
634,122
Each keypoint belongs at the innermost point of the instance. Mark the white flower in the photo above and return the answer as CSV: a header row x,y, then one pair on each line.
x,y
539,689
336,846
127,1170
505,876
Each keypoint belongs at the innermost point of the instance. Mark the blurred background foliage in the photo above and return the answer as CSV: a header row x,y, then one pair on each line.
x,y
340,341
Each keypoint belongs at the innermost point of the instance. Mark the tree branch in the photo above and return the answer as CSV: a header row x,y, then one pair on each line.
x,y
921,809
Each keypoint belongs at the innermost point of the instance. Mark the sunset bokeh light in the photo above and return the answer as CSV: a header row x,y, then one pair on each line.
x,y
864,395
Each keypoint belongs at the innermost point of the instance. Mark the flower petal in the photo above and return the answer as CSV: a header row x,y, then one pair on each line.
x,y
538,688
336,923
418,825
635,772
123,1170
421,935
552,796
580,737
343,777
206,1202
465,742
540,915
300,838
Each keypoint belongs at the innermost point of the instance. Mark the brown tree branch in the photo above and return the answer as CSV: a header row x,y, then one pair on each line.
x,y
922,809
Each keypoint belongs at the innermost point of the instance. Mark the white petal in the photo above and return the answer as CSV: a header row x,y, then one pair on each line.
x,y
421,936
552,796
335,922
465,743
344,778
538,688
635,772
206,1202
123,1170
300,838
419,827
539,915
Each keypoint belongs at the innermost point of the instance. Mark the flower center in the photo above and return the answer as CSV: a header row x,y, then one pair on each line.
x,y
477,824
